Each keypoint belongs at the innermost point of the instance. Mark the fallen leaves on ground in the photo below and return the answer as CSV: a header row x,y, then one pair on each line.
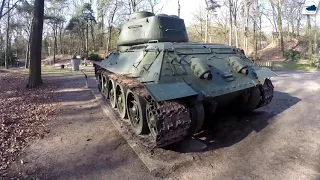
x,y
23,115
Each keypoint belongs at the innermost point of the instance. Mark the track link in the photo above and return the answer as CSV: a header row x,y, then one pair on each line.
x,y
173,121
173,116
266,90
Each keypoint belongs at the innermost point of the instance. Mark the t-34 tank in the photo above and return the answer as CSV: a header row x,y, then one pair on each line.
x,y
164,85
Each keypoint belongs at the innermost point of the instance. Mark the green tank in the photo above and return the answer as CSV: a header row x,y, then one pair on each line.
x,y
163,85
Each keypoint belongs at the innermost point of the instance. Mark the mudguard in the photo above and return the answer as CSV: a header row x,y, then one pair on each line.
x,y
163,92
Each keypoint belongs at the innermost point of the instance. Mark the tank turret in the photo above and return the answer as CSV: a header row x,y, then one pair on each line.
x,y
145,27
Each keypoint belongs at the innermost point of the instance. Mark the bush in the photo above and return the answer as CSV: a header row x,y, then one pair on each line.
x,y
314,60
95,57
293,55
12,58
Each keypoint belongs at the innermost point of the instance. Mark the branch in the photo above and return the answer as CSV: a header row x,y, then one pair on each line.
x,y
1,8
14,6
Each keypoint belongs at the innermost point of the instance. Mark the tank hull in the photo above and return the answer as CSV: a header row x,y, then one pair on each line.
x,y
164,85
193,77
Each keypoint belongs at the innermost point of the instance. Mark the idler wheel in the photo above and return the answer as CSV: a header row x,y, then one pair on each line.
x,y
121,100
112,93
136,109
105,90
250,101
197,118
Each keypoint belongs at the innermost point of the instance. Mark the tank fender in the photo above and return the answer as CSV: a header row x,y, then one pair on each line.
x,y
263,73
163,92
201,69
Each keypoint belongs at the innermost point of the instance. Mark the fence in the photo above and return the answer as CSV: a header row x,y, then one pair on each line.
x,y
267,64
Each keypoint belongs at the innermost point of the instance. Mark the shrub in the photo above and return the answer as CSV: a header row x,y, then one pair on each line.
x,y
95,57
293,55
12,58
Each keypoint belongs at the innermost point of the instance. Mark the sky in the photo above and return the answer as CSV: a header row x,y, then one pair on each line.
x,y
188,7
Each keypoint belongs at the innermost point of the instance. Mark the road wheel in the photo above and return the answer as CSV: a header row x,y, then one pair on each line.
x,y
112,93
197,114
121,100
136,109
100,81
105,90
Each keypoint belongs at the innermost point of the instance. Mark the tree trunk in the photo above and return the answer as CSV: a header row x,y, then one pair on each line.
x,y
93,39
260,32
315,37
274,17
35,79
27,55
255,39
310,37
298,27
55,47
87,41
102,32
292,27
2,7
246,29
6,58
83,42
207,24
60,39
280,26
134,5
230,24
236,28
179,8
109,38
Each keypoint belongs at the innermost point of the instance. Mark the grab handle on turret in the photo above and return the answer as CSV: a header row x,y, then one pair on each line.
x,y
153,41
174,30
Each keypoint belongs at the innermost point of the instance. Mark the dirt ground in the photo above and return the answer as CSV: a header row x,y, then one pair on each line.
x,y
279,141
82,144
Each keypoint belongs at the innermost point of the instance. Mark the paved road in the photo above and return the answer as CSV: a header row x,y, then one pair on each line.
x,y
280,141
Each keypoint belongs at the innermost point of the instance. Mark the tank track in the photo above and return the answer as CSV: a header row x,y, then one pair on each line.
x,y
173,121
266,90
173,116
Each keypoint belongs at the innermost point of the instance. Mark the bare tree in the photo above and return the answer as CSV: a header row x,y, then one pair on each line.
x,y
152,4
8,9
246,5
26,11
134,5
211,6
35,79
6,59
235,6
279,13
3,3
200,17
112,12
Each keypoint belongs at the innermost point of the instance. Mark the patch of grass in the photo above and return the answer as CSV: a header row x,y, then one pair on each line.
x,y
294,65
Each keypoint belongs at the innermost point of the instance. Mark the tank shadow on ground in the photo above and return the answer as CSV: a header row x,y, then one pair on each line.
x,y
224,130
